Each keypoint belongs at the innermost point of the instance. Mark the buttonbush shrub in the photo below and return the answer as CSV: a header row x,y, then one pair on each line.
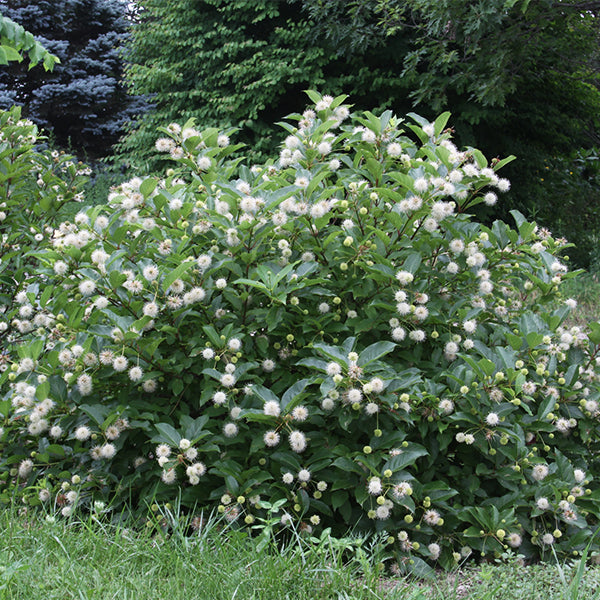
x,y
329,339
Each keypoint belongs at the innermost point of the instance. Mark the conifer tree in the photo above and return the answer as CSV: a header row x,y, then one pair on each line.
x,y
83,102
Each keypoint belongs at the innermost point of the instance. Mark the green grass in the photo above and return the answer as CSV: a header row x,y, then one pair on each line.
x,y
87,560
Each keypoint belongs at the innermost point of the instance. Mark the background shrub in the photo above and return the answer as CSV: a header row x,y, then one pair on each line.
x,y
329,338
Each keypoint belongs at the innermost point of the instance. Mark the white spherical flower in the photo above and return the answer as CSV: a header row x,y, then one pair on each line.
x,y
163,451
394,149
372,408
375,488
25,468
417,335
87,287
234,344
204,163
398,334
446,406
490,198
297,441
230,429
542,503
368,136
514,540
272,408
135,373
119,363
324,308
169,476
404,277
333,369
304,475
223,141
208,353
149,385
327,403
82,433
492,419
579,475
377,385
228,380
324,148
150,309
60,267
540,472
219,398
150,272
434,550
300,413
354,395
271,438
287,478
221,283
268,365
56,431
547,539
107,451
451,348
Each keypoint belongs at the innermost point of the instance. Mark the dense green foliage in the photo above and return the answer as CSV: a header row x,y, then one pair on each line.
x,y
240,64
328,340
83,102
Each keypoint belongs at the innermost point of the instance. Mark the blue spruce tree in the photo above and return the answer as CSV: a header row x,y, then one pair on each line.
x,y
83,102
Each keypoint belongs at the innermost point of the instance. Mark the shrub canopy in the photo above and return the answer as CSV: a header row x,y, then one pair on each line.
x,y
328,339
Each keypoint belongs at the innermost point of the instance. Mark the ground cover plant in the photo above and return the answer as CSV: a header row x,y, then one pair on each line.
x,y
325,341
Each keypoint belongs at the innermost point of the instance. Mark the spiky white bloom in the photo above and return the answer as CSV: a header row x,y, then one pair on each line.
x,y
434,550
492,419
374,486
108,451
540,472
204,163
547,539
84,384
149,386
404,277
135,373
271,438
228,380
234,344
287,478
82,433
304,475
579,475
402,489
297,441
446,406
417,335
87,287
120,363
230,429
150,272
219,398
398,334
272,408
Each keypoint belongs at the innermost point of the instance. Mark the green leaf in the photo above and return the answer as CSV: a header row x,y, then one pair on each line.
x,y
168,434
375,351
176,273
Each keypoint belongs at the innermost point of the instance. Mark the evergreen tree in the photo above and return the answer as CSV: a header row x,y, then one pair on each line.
x,y
83,102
